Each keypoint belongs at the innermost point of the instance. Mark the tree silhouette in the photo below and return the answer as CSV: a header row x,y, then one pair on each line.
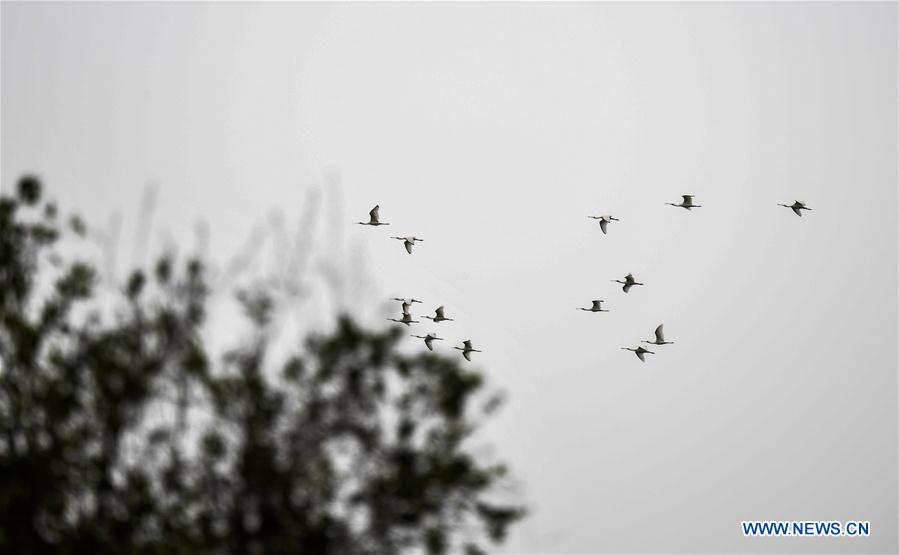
x,y
121,433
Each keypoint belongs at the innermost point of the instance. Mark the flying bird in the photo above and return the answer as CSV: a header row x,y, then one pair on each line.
x,y
406,300
660,338
628,282
597,307
467,349
639,351
373,218
438,316
797,207
407,303
686,203
429,338
604,221
406,319
408,241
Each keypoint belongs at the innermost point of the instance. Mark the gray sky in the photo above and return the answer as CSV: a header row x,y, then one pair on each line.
x,y
492,131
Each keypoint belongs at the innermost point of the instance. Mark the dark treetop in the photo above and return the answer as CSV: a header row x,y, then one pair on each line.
x,y
121,433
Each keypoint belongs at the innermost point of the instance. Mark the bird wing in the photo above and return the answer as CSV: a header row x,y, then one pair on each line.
x,y
467,343
659,335
373,215
597,305
467,355
439,312
603,224
627,287
408,244
640,355
688,199
406,308
428,341
796,210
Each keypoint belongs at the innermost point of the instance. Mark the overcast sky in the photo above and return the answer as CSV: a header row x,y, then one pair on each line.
x,y
492,131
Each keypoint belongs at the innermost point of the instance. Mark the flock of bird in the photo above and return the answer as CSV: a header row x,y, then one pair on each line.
x,y
406,303
628,282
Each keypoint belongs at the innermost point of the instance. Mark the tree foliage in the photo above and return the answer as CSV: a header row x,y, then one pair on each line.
x,y
121,433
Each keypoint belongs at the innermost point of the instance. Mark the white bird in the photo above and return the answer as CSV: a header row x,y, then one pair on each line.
x,y
467,349
639,351
438,316
406,319
686,203
429,338
408,241
628,282
660,338
407,303
604,221
597,307
797,207
373,218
